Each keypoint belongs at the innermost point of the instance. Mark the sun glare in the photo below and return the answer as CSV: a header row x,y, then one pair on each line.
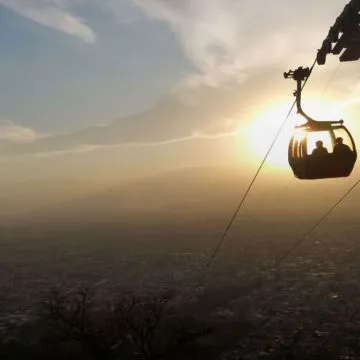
x,y
299,134
261,131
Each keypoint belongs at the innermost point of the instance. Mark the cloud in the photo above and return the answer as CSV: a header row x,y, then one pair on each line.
x,y
17,133
213,112
54,14
225,38
88,148
125,12
168,122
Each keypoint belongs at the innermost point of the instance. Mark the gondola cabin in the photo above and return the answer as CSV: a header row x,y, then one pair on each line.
x,y
307,163
319,149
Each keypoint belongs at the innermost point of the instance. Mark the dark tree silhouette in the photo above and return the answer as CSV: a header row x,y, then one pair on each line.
x,y
133,327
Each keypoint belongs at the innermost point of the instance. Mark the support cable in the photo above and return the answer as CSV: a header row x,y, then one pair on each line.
x,y
255,177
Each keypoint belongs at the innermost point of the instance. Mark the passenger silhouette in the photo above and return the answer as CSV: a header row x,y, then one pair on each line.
x,y
320,149
340,148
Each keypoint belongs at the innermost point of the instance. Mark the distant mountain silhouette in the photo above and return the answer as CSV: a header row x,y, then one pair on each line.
x,y
187,193
22,196
184,191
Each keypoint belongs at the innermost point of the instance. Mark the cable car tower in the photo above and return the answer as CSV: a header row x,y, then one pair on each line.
x,y
320,163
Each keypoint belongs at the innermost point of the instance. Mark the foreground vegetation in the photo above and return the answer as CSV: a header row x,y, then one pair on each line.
x,y
79,325
74,325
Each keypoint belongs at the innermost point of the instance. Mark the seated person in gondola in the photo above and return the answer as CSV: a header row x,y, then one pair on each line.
x,y
320,150
340,148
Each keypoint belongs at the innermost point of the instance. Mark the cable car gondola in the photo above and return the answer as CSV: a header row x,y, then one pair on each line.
x,y
319,164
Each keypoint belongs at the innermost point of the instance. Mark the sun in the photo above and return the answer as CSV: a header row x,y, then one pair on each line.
x,y
261,131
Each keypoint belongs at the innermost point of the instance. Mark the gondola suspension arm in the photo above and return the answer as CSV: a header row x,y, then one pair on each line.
x,y
299,75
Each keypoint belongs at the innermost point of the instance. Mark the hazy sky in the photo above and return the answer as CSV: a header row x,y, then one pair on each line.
x,y
144,83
